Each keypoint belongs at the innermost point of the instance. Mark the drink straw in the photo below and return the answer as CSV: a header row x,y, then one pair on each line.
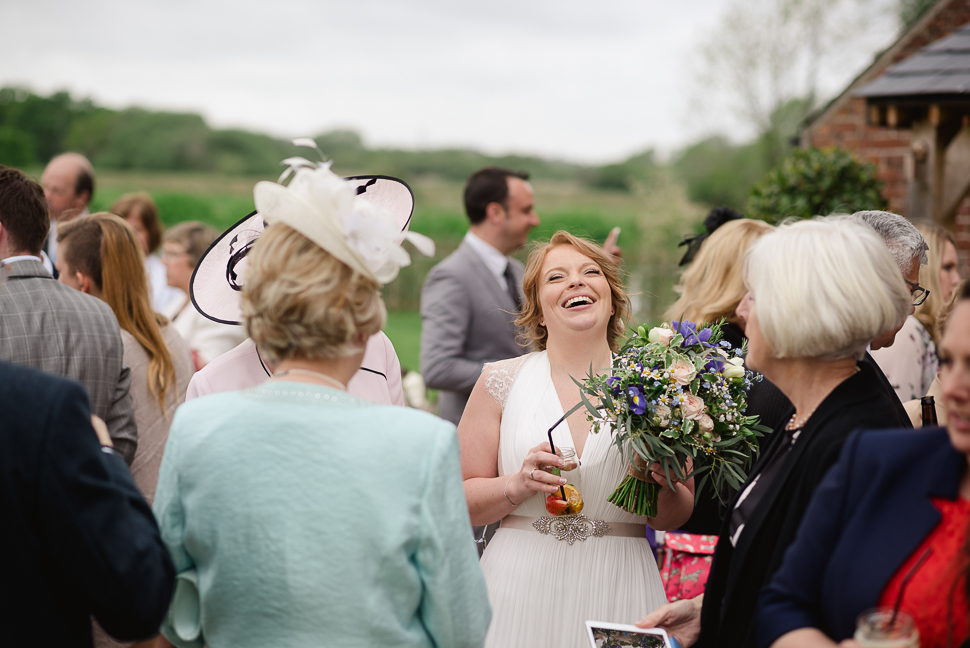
x,y
906,579
562,491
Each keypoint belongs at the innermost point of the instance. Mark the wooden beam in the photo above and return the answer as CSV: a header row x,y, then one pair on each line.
x,y
956,176
892,116
874,115
934,114
919,199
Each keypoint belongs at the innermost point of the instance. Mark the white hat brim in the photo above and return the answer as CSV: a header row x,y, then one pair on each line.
x,y
217,280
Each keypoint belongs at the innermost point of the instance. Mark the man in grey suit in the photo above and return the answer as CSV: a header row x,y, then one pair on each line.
x,y
48,326
471,299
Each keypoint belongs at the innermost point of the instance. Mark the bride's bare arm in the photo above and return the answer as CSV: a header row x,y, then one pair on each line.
x,y
491,497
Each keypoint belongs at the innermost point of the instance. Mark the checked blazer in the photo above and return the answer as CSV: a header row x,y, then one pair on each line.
x,y
52,327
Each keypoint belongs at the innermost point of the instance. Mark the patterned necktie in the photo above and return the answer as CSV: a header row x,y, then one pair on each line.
x,y
513,289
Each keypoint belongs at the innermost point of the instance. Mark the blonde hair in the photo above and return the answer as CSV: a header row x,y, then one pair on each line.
x,y
106,248
824,288
929,311
712,286
947,309
299,301
529,319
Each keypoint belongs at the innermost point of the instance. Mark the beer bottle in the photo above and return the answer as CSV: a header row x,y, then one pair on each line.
x,y
928,405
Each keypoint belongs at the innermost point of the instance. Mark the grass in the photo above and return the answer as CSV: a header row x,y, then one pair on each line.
x,y
217,200
404,330
653,220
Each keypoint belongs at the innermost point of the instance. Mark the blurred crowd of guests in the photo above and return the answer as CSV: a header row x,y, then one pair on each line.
x,y
205,435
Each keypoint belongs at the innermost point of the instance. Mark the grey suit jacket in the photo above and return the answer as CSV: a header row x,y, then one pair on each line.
x,y
49,326
466,322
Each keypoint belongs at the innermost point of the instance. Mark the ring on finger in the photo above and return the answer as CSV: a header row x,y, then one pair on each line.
x,y
531,476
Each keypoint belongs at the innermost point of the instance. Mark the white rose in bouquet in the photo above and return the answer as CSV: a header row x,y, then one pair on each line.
x,y
660,335
734,369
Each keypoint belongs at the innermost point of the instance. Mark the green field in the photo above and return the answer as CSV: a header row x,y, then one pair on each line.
x,y
404,329
653,220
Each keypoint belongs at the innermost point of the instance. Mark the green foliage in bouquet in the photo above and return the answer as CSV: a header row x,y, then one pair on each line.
x,y
675,393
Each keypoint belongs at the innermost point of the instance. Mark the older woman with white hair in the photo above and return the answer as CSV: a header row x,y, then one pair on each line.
x,y
852,554
296,513
818,292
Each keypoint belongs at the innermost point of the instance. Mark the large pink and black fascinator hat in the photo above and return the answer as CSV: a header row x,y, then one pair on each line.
x,y
362,220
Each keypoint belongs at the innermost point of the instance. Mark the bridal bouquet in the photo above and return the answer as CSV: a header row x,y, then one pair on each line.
x,y
673,393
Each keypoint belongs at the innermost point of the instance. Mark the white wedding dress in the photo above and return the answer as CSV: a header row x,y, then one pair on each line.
x,y
543,590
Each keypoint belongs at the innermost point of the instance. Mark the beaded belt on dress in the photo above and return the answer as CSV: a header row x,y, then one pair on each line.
x,y
574,527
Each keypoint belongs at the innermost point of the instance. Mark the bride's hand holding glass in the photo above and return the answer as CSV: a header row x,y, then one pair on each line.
x,y
533,478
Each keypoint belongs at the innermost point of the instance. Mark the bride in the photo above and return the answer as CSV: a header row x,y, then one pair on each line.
x,y
544,589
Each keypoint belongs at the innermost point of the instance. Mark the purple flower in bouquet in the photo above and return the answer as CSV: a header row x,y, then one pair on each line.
x,y
715,365
613,383
638,404
691,335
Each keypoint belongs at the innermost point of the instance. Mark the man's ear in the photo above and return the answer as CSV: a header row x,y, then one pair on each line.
x,y
495,212
85,282
81,200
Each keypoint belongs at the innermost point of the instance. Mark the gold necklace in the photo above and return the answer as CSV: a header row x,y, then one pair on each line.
x,y
313,374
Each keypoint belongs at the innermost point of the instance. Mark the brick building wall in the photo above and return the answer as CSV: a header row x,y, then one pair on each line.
x,y
843,122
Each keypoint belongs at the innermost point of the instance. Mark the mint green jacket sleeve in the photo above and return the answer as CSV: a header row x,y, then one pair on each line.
x,y
454,607
171,521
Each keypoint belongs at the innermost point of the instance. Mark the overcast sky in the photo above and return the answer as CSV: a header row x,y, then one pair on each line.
x,y
576,79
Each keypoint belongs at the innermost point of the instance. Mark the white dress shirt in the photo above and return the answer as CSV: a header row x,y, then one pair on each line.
x,y
23,257
495,261
52,236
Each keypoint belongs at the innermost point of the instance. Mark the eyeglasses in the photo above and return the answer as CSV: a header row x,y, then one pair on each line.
x,y
918,292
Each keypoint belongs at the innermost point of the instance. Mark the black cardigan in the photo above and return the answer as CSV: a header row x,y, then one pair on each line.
x,y
739,573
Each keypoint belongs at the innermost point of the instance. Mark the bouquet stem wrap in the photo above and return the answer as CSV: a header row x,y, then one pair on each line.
x,y
638,492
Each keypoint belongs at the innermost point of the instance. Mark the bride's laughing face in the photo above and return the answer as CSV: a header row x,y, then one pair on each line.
x,y
573,293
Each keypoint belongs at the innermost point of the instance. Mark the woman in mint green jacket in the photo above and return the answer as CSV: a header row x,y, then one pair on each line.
x,y
297,514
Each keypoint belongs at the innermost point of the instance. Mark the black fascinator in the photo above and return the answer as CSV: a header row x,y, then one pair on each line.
x,y
717,217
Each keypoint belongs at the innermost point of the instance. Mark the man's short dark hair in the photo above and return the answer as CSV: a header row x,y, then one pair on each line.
x,y
23,211
84,182
486,186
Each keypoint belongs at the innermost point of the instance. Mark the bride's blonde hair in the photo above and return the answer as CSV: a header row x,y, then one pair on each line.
x,y
535,334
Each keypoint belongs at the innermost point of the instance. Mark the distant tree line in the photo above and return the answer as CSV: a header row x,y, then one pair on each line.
x,y
715,171
35,128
